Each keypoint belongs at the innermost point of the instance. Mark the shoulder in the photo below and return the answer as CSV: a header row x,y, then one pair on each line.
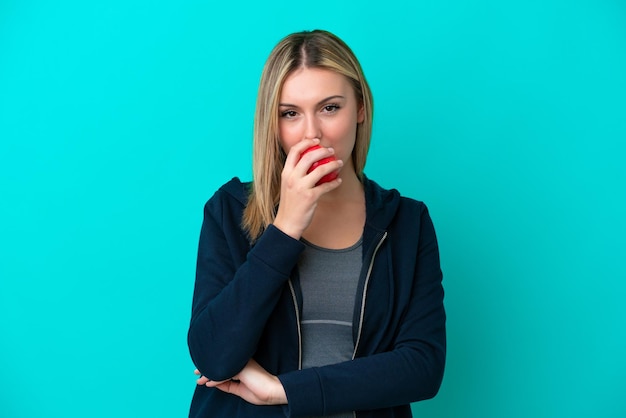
x,y
234,189
385,206
231,197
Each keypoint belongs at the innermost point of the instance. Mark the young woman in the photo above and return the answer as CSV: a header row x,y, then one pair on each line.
x,y
315,296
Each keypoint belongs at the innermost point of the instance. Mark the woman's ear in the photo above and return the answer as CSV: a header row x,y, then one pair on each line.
x,y
360,115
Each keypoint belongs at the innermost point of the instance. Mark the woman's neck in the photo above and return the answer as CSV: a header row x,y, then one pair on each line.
x,y
339,216
350,189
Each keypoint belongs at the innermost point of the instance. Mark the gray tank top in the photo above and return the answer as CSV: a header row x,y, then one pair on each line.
x,y
329,280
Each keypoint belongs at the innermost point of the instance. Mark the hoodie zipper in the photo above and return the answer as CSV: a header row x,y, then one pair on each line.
x,y
365,286
295,306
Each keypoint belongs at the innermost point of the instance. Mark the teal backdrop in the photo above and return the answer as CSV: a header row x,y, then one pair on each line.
x,y
119,119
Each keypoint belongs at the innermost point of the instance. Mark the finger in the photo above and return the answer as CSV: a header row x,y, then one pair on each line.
x,y
238,389
196,372
214,383
329,185
293,156
315,158
202,381
325,173
225,386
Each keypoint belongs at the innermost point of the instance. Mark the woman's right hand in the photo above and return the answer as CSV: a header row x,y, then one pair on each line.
x,y
298,191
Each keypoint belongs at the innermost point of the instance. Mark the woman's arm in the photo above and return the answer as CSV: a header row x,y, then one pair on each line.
x,y
235,290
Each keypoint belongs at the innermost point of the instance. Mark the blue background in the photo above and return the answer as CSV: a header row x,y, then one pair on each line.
x,y
119,119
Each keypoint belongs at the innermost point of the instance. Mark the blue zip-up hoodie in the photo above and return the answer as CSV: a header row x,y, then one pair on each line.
x,y
247,304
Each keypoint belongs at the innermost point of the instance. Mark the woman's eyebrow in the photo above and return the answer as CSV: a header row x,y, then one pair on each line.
x,y
329,98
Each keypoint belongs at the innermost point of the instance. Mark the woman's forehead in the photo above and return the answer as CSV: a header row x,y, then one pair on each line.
x,y
311,84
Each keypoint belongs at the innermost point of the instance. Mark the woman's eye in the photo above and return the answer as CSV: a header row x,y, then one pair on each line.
x,y
331,108
288,114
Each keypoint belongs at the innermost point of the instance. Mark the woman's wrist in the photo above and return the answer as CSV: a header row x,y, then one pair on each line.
x,y
286,229
279,395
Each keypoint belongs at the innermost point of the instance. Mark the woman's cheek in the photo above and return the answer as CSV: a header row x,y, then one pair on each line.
x,y
289,137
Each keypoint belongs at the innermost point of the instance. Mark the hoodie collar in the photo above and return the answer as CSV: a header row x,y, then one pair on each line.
x,y
381,204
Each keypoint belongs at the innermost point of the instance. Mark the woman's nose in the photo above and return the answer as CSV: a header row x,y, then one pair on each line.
x,y
312,128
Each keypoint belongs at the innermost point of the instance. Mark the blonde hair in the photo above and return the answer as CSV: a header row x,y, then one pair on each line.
x,y
308,49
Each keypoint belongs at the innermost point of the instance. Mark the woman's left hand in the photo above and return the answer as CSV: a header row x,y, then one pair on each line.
x,y
252,384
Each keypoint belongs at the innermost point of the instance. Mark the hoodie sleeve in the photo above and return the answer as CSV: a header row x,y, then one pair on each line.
x,y
235,290
410,370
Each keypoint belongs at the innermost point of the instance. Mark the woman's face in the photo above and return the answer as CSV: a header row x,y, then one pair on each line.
x,y
319,103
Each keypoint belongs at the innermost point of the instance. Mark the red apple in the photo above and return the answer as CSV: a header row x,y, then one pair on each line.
x,y
328,177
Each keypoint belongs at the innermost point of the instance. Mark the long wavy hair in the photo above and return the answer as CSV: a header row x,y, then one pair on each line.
x,y
307,49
